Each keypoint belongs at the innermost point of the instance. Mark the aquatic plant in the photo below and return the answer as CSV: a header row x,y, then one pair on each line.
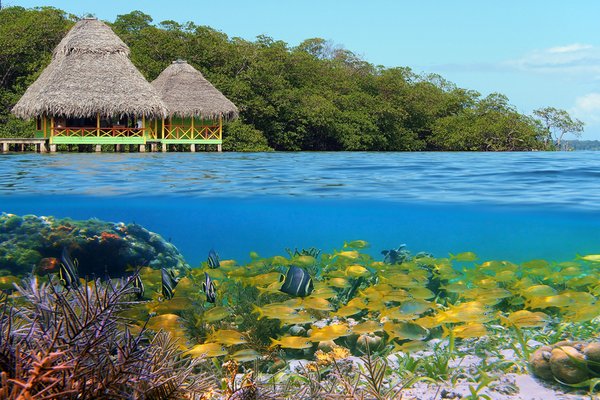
x,y
59,344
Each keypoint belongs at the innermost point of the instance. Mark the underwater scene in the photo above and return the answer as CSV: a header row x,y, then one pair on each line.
x,y
300,275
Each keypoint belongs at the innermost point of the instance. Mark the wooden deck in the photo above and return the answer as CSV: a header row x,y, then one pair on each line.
x,y
41,145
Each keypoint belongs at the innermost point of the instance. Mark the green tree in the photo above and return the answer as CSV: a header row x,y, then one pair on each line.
x,y
556,124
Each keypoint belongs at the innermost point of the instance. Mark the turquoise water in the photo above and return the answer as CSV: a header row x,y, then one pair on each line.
x,y
513,206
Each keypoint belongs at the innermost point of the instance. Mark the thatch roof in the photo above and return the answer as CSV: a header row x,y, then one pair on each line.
x,y
187,93
90,73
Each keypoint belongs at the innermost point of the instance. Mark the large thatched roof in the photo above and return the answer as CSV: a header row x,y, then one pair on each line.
x,y
90,73
187,93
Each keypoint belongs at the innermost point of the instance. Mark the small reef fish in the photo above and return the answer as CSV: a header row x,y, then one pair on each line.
x,y
7,282
297,282
410,346
316,303
138,286
467,256
208,287
213,259
216,314
357,244
245,355
263,279
349,254
168,283
301,318
470,330
357,271
274,311
227,337
329,332
525,319
589,257
405,330
207,350
68,270
367,327
49,264
348,310
340,283
292,342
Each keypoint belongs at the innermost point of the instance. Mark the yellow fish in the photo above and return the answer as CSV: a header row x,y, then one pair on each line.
x,y
349,254
357,244
263,279
245,355
338,283
301,318
467,256
316,303
330,332
292,342
227,337
367,327
589,257
274,311
347,310
405,330
410,346
216,314
470,330
207,350
525,319
357,271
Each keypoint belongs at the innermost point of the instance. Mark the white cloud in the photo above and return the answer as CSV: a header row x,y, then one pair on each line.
x,y
574,60
587,108
570,48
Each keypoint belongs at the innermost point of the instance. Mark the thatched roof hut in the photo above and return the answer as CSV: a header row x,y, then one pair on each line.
x,y
90,74
187,93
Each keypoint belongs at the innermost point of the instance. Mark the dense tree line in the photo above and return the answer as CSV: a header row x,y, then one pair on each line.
x,y
315,96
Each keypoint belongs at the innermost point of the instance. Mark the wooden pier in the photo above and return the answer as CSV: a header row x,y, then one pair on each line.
x,y
41,145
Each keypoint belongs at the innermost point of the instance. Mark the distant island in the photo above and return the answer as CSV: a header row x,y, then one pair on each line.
x,y
316,96
582,144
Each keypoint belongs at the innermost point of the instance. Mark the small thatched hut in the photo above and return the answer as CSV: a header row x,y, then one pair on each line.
x,y
196,109
91,93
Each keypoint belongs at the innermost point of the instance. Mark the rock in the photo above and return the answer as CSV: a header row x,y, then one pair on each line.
x,y
564,365
592,354
102,248
367,342
326,346
540,363
297,330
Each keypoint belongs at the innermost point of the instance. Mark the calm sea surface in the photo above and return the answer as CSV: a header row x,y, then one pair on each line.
x,y
512,206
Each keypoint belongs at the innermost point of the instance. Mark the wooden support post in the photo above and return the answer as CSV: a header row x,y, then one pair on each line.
x,y
193,148
22,147
117,148
142,148
164,148
153,147
52,148
43,147
219,148
97,125
98,148
5,147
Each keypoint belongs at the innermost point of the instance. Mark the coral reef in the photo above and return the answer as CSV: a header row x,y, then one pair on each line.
x,y
71,344
31,243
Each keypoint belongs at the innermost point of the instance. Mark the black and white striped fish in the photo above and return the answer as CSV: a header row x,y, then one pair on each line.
x,y
139,286
168,283
297,282
208,286
213,259
68,270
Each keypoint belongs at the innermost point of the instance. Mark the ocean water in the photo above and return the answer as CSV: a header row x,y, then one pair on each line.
x,y
504,206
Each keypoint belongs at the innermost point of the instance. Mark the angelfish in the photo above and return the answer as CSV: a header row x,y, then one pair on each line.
x,y
213,259
208,286
297,282
139,286
168,283
68,270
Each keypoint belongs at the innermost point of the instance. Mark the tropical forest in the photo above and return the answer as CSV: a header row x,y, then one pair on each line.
x,y
316,96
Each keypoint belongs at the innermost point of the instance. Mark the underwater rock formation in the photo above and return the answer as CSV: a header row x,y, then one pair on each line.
x,y
34,243
568,362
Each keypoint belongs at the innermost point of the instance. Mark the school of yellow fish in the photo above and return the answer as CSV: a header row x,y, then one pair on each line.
x,y
405,304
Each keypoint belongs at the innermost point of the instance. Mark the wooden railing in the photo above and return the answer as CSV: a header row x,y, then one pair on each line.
x,y
101,132
205,132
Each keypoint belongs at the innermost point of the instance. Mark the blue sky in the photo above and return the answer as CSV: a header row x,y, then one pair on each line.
x,y
538,53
